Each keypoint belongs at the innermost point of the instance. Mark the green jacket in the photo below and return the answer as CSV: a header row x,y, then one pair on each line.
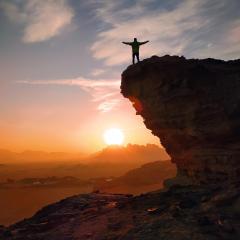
x,y
135,45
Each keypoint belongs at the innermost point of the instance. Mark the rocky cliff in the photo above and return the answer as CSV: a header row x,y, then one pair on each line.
x,y
193,106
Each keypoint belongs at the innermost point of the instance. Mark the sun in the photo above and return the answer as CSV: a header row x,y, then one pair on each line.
x,y
113,136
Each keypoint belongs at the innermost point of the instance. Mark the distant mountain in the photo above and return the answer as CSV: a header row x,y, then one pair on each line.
x,y
148,177
7,156
112,161
115,161
46,156
130,154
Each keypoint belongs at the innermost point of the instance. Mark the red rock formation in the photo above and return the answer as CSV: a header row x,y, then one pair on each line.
x,y
193,106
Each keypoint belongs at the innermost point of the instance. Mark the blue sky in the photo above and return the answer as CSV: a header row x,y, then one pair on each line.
x,y
63,58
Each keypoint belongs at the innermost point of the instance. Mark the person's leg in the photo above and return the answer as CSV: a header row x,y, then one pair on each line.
x,y
137,55
133,58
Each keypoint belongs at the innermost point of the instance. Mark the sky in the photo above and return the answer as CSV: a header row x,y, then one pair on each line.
x,y
61,63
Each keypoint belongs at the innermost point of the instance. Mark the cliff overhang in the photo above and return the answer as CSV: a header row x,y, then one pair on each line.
x,y
193,106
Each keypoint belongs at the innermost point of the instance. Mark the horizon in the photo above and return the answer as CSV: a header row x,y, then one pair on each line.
x,y
82,153
62,61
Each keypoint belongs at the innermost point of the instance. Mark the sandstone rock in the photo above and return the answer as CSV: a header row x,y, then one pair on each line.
x,y
193,106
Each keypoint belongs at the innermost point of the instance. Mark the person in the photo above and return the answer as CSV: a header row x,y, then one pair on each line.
x,y
135,48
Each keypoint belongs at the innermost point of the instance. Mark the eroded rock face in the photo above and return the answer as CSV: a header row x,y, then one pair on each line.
x,y
193,106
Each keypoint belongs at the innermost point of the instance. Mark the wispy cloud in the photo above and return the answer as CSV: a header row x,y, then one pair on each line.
x,y
98,72
42,20
104,92
186,28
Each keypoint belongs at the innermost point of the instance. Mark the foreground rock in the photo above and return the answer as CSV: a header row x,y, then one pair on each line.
x,y
180,213
193,106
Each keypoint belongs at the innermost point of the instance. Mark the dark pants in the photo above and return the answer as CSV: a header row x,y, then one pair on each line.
x,y
133,57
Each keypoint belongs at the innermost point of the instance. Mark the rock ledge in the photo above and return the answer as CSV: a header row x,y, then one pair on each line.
x,y
193,106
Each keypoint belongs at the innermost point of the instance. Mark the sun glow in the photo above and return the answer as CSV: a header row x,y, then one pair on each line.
x,y
113,136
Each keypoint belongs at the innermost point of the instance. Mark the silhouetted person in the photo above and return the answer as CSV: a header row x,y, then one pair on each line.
x,y
135,48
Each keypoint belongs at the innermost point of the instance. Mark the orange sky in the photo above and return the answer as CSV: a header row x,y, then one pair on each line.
x,y
68,129
61,64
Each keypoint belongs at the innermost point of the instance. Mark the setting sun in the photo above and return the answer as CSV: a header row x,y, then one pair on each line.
x,y
113,136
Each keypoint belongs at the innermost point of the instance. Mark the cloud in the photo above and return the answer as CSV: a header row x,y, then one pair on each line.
x,y
104,92
107,106
182,28
42,20
98,72
234,35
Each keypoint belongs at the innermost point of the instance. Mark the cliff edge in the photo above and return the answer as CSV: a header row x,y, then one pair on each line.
x,y
193,106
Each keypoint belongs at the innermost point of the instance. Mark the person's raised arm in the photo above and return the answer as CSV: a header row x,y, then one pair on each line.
x,y
127,43
141,43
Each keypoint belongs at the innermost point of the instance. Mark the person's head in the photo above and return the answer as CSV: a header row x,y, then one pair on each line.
x,y
135,39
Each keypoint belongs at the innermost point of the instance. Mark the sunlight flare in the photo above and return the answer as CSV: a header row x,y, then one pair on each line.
x,y
113,136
